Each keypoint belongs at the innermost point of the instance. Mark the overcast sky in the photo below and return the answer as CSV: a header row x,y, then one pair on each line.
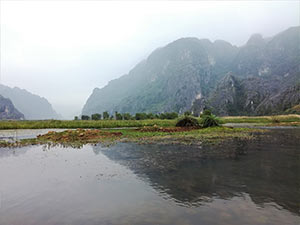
x,y
62,50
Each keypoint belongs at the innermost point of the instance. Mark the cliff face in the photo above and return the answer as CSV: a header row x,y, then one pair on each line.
x,y
8,111
192,74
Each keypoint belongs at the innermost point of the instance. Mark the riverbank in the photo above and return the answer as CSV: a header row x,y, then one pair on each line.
x,y
280,120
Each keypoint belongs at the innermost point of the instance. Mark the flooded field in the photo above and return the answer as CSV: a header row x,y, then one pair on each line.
x,y
237,182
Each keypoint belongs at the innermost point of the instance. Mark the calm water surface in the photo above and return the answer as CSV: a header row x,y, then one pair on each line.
x,y
254,182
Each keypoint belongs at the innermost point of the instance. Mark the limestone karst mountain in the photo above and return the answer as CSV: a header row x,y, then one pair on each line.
x,y
32,106
8,110
261,77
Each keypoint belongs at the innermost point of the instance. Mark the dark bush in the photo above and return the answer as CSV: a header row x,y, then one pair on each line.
x,y
209,121
96,116
85,117
105,115
141,116
118,116
187,121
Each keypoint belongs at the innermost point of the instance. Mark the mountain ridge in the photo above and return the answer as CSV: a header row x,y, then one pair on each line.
x,y
34,107
187,72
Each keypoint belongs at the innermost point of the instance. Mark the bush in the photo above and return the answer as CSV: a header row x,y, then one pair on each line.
x,y
187,121
141,116
150,116
127,116
96,116
206,112
85,117
105,115
118,116
187,113
210,121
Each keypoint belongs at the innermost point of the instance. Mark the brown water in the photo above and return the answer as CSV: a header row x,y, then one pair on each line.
x,y
234,183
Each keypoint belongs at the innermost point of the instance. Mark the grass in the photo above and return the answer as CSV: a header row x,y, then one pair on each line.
x,y
73,124
79,137
261,119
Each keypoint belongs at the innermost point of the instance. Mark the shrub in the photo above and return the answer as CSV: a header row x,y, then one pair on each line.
x,y
140,116
187,121
96,116
85,117
187,113
127,116
118,116
206,112
150,116
210,121
105,115
76,118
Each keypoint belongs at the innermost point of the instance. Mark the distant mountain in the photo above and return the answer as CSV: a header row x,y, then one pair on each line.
x,y
8,111
32,106
193,74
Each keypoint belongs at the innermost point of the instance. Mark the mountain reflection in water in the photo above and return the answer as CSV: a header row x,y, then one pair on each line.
x,y
266,169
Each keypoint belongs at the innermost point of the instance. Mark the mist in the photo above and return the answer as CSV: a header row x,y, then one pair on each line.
x,y
63,50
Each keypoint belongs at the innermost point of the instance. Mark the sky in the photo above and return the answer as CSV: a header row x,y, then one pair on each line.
x,y
62,50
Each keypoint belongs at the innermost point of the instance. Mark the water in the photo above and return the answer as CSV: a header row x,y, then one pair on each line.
x,y
255,182
18,134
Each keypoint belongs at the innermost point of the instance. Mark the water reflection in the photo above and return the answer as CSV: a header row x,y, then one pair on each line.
x,y
233,183
192,176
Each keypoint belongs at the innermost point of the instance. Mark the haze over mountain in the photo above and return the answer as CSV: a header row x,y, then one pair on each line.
x,y
62,50
261,77
32,106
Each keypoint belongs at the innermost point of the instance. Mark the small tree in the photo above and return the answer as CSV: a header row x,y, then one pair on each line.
x,y
140,116
127,116
162,116
96,116
76,118
171,115
85,117
150,116
118,116
105,115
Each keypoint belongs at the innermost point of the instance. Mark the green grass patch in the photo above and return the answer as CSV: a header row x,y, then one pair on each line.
x,y
79,137
261,119
99,124
73,124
